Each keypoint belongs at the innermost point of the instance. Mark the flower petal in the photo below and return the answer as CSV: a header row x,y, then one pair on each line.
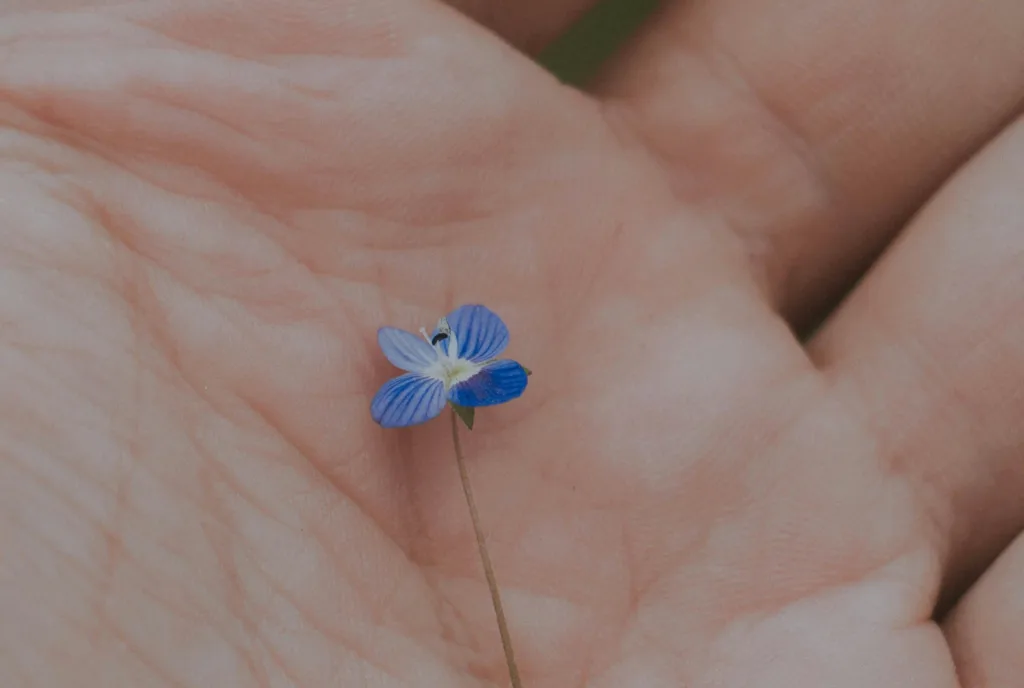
x,y
496,383
407,400
405,350
480,333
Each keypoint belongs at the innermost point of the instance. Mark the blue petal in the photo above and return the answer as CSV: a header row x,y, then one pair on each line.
x,y
496,383
407,400
405,350
480,332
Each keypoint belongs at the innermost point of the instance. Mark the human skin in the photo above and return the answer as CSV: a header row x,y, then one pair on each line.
x,y
209,207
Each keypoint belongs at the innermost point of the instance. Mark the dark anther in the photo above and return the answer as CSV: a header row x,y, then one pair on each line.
x,y
438,337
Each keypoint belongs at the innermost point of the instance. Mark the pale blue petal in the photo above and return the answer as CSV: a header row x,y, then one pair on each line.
x,y
407,400
480,333
496,383
405,350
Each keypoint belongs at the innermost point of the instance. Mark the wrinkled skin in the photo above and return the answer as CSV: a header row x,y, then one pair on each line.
x,y
208,208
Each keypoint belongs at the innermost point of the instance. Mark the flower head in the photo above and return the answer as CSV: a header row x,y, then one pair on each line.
x,y
456,364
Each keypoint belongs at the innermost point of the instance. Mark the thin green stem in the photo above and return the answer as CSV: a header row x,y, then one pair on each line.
x,y
485,559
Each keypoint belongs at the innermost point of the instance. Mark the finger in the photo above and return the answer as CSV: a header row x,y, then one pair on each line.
x,y
929,352
815,128
528,24
986,628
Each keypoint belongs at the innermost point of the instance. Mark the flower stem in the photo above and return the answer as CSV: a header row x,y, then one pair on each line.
x,y
485,559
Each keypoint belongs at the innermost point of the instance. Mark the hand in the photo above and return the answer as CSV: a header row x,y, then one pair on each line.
x,y
208,208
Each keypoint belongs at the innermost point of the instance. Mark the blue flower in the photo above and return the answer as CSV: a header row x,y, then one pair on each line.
x,y
455,364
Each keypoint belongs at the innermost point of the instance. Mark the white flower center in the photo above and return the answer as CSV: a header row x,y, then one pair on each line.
x,y
454,371
449,368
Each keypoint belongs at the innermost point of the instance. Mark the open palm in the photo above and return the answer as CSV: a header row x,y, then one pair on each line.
x,y
209,207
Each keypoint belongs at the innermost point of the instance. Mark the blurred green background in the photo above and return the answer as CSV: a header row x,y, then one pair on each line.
x,y
576,56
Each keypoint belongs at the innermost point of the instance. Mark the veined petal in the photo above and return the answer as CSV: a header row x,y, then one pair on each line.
x,y
480,333
407,400
496,383
405,350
